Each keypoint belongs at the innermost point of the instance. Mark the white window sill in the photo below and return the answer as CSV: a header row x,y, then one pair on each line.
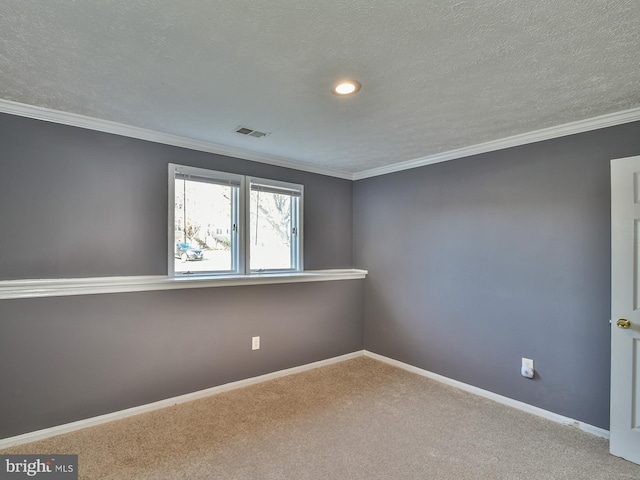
x,y
58,287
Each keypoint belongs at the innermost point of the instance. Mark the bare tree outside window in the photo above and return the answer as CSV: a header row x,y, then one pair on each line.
x,y
270,225
223,223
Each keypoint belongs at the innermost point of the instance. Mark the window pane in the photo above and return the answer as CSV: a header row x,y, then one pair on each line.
x,y
203,226
270,230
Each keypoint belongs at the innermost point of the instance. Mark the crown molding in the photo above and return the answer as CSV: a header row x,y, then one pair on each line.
x,y
595,123
107,126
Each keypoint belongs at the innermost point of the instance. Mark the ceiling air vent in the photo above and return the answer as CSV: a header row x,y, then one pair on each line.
x,y
251,132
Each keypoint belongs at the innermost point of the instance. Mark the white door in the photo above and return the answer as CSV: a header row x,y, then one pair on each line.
x,y
625,308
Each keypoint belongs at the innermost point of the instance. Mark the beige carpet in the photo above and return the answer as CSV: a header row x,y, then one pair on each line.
x,y
360,419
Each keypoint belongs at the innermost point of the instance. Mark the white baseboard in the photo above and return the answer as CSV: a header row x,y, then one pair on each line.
x,y
525,407
130,412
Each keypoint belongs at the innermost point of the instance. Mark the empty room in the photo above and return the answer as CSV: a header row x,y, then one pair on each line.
x,y
319,240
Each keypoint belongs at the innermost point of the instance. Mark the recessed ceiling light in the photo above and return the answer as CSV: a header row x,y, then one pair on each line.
x,y
346,87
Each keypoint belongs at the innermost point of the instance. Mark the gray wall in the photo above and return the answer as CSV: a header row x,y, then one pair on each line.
x,y
68,358
77,203
477,262
473,264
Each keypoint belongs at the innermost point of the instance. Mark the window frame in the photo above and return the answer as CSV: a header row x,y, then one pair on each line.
x,y
240,207
237,217
297,223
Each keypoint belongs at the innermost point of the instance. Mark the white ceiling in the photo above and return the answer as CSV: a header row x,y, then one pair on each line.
x,y
436,75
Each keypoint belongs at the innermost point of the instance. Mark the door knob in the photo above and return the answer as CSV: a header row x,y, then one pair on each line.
x,y
623,323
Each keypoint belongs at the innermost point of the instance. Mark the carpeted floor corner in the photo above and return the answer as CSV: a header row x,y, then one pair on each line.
x,y
359,419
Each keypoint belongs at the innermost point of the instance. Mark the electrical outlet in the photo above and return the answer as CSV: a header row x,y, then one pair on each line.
x,y
255,343
527,362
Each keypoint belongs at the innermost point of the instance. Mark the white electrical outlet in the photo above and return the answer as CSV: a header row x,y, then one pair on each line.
x,y
527,362
255,343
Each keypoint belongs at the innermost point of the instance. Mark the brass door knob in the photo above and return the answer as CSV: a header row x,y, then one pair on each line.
x,y
623,323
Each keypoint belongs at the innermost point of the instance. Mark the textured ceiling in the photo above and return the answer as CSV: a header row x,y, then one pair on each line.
x,y
436,75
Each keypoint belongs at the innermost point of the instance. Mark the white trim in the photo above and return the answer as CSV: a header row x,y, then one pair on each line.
x,y
525,407
603,121
107,126
58,287
130,412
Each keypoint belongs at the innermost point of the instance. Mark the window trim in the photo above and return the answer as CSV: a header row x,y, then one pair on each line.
x,y
241,218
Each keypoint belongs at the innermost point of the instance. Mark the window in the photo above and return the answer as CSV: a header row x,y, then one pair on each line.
x,y
205,203
274,225
222,223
